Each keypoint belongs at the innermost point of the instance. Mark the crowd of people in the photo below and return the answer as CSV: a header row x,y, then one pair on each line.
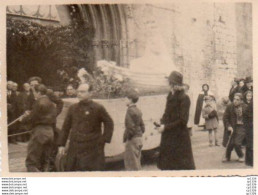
x,y
237,118
81,140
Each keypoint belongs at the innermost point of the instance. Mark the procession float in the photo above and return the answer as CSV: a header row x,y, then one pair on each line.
x,y
148,74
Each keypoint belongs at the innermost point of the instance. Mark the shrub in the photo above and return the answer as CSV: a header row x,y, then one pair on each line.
x,y
54,53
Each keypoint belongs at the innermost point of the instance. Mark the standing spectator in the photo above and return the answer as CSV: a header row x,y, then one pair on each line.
x,y
15,88
70,92
233,89
248,84
82,125
134,128
198,120
248,123
211,118
248,97
175,146
42,119
58,91
22,106
239,89
233,120
11,111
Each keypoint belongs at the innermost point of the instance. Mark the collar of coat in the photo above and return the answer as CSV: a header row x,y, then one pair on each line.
x,y
131,105
85,102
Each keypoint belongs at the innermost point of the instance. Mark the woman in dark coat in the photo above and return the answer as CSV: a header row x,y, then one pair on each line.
x,y
248,123
175,147
199,104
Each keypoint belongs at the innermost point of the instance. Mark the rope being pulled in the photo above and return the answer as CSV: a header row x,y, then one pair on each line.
x,y
26,132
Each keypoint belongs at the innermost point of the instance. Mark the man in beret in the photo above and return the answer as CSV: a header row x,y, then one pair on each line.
x,y
83,128
234,124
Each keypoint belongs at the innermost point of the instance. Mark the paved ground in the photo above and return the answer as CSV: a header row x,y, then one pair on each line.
x,y
205,157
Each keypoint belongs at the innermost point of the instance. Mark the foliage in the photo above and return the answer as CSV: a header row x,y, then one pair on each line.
x,y
53,52
56,53
108,85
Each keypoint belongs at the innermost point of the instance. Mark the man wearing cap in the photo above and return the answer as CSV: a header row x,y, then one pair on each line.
x,y
83,127
175,146
233,121
42,119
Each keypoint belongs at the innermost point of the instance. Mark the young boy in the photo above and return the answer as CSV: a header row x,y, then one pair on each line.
x,y
134,128
210,115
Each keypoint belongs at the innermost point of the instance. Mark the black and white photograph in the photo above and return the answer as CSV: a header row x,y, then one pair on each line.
x,y
146,87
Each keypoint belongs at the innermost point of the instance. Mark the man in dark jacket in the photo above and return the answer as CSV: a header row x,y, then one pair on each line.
x,y
83,128
134,129
175,146
42,119
233,121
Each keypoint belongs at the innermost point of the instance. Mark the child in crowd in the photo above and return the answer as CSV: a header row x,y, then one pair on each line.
x,y
210,115
134,129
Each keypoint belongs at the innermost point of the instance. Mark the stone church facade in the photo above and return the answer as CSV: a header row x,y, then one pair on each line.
x,y
209,42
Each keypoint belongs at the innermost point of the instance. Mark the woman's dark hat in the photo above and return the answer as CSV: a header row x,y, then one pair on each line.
x,y
175,78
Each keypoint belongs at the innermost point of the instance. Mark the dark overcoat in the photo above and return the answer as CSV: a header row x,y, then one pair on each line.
x,y
198,110
248,123
86,146
175,147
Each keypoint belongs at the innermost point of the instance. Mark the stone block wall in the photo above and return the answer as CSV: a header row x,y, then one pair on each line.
x,y
204,40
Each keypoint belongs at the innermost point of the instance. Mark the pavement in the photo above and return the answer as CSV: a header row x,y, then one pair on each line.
x,y
205,157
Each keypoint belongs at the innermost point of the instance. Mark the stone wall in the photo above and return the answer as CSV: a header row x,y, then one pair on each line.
x,y
204,40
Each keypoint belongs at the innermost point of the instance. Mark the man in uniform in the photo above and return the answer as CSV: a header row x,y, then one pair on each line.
x,y
83,128
42,119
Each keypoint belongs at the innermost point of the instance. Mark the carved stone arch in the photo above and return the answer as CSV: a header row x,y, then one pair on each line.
x,y
109,22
